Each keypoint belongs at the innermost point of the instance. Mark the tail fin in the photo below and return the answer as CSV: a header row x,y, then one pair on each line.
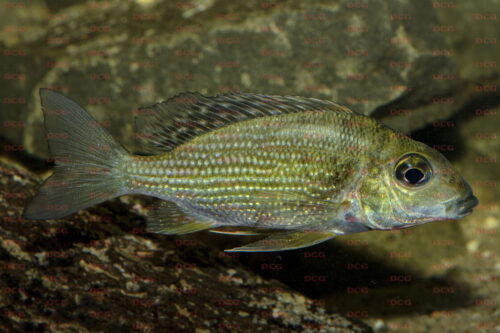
x,y
86,160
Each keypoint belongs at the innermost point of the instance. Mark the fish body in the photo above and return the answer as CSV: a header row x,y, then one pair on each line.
x,y
309,168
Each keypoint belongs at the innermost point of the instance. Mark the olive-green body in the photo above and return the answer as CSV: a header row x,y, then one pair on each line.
x,y
222,174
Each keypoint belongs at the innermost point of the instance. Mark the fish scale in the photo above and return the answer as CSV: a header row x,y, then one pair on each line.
x,y
309,172
308,168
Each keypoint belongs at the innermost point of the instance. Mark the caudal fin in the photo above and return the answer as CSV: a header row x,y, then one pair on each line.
x,y
86,161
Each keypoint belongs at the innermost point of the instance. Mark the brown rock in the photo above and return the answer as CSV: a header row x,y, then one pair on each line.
x,y
97,271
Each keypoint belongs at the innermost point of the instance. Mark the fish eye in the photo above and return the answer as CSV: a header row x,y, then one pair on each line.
x,y
413,170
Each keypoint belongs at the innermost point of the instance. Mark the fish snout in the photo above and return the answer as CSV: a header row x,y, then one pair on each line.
x,y
464,206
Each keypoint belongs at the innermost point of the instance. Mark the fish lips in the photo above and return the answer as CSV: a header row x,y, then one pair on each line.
x,y
464,206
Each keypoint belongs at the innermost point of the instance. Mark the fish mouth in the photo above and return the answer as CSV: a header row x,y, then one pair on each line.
x,y
465,206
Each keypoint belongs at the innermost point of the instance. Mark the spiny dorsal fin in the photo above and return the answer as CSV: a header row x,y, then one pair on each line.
x,y
163,126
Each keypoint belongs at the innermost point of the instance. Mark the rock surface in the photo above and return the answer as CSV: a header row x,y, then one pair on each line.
x,y
97,271
393,59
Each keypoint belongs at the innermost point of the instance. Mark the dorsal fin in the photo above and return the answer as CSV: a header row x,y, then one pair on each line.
x,y
163,126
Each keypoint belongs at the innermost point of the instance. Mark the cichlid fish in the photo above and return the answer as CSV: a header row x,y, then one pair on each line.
x,y
310,168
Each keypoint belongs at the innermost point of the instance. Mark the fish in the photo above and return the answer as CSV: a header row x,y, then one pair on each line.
x,y
297,171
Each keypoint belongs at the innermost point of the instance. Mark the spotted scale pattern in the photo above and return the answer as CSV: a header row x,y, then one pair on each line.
x,y
274,171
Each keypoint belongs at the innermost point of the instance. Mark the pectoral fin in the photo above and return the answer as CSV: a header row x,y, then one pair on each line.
x,y
167,218
287,240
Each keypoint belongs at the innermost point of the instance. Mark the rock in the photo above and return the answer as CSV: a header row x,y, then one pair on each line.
x,y
99,271
380,58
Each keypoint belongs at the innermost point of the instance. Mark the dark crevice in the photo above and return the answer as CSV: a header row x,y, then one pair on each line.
x,y
445,135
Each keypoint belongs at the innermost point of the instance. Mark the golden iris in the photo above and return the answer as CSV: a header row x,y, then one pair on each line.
x,y
413,170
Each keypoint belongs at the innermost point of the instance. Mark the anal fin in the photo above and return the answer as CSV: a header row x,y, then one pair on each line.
x,y
167,218
288,240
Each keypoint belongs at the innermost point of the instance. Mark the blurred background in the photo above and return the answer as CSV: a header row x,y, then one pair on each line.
x,y
427,68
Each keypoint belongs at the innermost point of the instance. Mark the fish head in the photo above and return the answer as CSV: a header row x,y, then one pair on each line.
x,y
417,184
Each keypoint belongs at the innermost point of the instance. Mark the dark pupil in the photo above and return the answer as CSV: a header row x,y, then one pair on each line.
x,y
413,176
